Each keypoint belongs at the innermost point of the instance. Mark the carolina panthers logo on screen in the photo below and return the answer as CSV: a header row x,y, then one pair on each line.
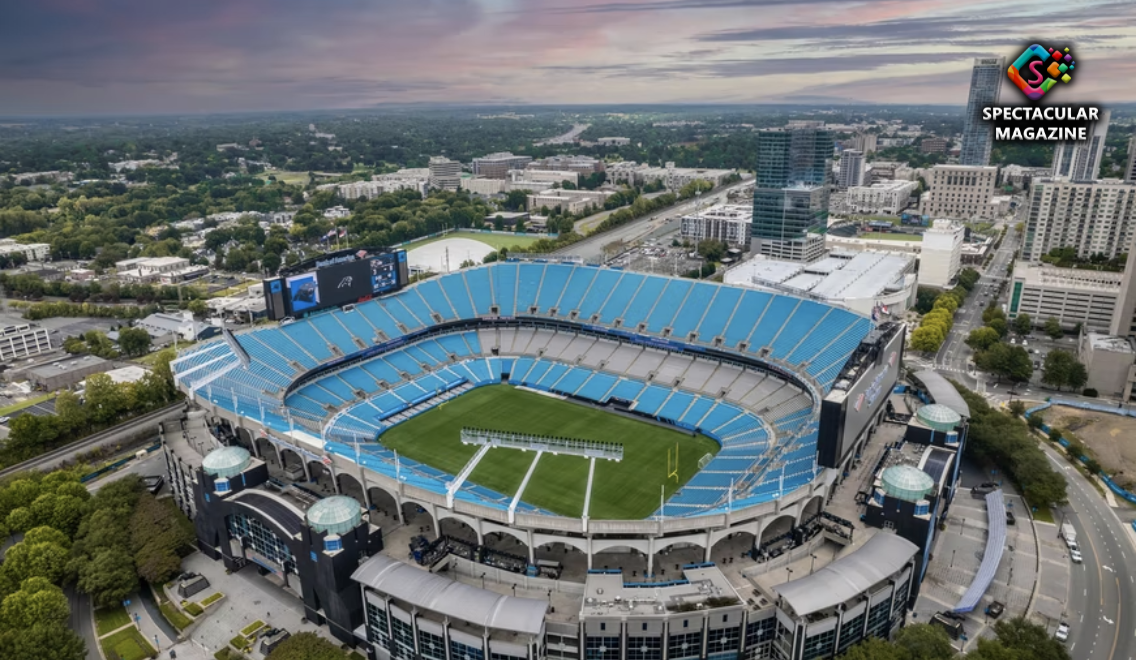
x,y
345,283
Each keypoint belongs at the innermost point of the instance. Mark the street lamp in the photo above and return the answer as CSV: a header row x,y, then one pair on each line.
x,y
790,574
812,563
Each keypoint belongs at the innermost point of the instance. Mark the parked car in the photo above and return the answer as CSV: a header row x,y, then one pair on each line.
x,y
154,483
1062,633
5,420
1075,555
995,609
1010,520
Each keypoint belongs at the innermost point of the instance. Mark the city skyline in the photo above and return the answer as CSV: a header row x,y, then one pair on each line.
x,y
74,57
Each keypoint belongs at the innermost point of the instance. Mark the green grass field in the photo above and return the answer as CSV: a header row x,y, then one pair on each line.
x,y
110,618
893,237
627,490
495,241
128,644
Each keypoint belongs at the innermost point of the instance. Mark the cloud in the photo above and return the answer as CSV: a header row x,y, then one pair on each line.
x,y
79,56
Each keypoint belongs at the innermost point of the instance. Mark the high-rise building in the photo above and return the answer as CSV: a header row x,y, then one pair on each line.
x,y
941,256
1130,168
497,166
960,192
985,87
1092,217
790,198
866,142
445,173
851,169
1080,161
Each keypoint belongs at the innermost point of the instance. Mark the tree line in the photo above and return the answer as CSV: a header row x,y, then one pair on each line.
x,y
105,545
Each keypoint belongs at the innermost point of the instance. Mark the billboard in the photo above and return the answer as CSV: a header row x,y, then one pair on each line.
x,y
344,283
303,292
845,414
336,279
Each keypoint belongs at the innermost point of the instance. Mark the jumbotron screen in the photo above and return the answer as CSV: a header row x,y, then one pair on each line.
x,y
334,280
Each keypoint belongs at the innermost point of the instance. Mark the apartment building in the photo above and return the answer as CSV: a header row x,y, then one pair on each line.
x,y
1072,296
674,178
497,166
940,257
851,172
568,201
883,198
31,251
866,143
960,192
724,222
613,141
1094,217
1081,161
445,174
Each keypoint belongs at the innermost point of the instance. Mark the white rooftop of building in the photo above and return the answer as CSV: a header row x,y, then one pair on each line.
x,y
606,594
1111,343
1044,275
840,276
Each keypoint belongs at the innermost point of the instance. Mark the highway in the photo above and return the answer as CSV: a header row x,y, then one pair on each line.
x,y
1100,608
591,249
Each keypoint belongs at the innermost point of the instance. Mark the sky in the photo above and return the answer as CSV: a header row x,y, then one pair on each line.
x,y
75,57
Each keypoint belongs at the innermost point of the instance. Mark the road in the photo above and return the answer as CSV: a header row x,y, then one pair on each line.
x,y
954,355
1100,608
591,249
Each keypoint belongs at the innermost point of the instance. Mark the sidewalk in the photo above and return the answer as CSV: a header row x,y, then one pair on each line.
x,y
150,630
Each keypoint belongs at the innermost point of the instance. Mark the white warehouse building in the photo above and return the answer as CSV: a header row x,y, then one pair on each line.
x,y
885,197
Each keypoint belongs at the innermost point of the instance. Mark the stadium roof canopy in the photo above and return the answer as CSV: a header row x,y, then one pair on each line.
x,y
942,391
454,599
878,559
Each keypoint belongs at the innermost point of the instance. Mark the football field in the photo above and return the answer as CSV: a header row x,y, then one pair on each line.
x,y
624,490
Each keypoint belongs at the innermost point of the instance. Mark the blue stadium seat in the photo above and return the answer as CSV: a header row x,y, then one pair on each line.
x,y
675,406
572,380
359,380
505,288
627,390
669,302
578,284
415,352
555,277
750,309
601,288
477,282
380,318
833,324
431,292
382,370
431,347
458,295
721,414
596,387
620,297
340,387
775,316
519,368
643,301
334,333
719,313
357,325
302,333
529,278
403,362
651,399
555,371
539,368
456,344
697,410
803,322
690,314
398,310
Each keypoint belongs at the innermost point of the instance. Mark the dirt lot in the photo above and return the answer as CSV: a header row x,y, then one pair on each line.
x,y
1110,438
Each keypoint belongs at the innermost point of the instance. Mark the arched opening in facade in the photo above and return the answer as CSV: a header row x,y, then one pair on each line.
x,y
777,535
458,529
350,486
418,520
573,562
732,548
268,454
631,561
294,463
671,557
323,481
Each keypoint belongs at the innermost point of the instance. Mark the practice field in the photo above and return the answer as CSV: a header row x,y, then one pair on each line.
x,y
624,490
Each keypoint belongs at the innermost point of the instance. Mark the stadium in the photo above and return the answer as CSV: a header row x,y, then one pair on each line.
x,y
561,403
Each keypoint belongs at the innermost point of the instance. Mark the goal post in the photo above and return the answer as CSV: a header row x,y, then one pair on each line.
x,y
705,460
672,466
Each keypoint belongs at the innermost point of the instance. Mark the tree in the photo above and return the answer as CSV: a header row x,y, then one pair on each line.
x,y
197,306
923,641
157,532
41,641
1005,361
135,341
874,648
982,338
1056,368
105,399
35,556
306,646
37,601
1017,407
1022,324
1053,328
1030,640
992,311
109,577
927,338
999,326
